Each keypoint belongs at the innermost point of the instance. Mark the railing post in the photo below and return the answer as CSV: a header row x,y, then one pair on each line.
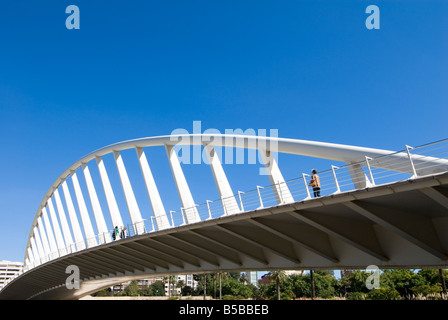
x,y
172,220
223,205
370,170
306,186
209,211
182,213
241,201
152,224
335,179
412,163
280,193
259,196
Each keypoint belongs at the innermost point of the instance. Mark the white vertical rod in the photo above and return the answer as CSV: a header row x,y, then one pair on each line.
x,y
152,224
50,235
44,238
114,212
182,212
172,220
30,254
182,186
209,211
35,250
222,183
64,224
241,200
370,170
276,177
153,193
224,208
26,264
259,196
131,202
304,175
79,240
335,179
96,207
40,248
86,223
414,172
280,195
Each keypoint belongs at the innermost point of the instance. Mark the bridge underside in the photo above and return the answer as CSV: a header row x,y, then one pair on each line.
x,y
399,225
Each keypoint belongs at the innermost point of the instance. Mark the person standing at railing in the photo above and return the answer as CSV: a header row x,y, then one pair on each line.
x,y
124,233
315,183
115,233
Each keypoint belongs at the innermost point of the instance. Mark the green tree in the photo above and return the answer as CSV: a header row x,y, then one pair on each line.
x,y
434,276
325,284
300,285
278,277
180,284
145,290
202,279
234,275
131,290
260,292
356,281
402,280
232,286
187,291
158,289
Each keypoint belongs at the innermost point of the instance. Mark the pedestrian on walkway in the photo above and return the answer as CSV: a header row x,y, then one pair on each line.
x,y
315,183
115,233
124,233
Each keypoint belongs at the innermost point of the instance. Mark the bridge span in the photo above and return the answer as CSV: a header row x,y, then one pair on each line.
x,y
395,224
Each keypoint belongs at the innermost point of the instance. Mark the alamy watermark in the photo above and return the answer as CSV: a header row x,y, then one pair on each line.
x,y
73,20
231,147
373,20
373,281
72,281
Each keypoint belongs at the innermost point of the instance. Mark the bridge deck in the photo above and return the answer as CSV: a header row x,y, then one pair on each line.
x,y
397,225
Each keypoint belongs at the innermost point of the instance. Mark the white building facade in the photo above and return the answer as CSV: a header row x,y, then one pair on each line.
x,y
8,270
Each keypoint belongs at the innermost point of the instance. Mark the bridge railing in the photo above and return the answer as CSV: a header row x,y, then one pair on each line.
x,y
406,164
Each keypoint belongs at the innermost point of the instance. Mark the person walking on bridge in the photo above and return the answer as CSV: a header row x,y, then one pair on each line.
x,y
315,183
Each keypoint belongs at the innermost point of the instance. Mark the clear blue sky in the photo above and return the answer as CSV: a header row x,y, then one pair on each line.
x,y
310,69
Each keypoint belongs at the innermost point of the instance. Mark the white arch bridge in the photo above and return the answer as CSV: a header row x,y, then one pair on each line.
x,y
379,207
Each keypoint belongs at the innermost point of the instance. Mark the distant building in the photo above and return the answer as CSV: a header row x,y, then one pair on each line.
x,y
8,270
186,278
252,277
265,279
